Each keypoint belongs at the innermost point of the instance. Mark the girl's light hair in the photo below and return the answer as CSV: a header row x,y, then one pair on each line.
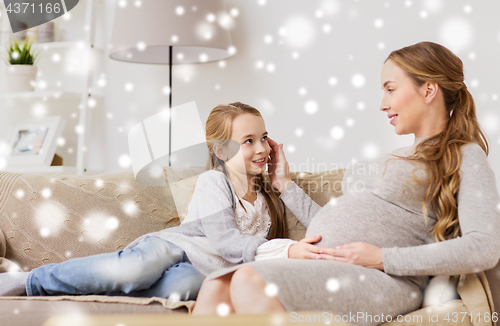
x,y
440,154
218,131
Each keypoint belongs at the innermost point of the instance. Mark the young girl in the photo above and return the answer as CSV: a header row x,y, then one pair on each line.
x,y
231,214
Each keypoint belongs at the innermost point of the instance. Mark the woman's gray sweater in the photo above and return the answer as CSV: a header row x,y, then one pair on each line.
x,y
395,221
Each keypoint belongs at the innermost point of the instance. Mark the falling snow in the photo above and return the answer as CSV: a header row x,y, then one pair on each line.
x,y
323,82
358,80
311,107
333,285
433,6
300,32
456,33
337,132
271,290
124,161
223,309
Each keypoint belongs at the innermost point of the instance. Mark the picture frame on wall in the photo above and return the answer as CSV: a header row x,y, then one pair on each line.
x,y
34,142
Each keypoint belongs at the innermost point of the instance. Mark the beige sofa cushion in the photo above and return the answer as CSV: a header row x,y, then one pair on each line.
x,y
48,218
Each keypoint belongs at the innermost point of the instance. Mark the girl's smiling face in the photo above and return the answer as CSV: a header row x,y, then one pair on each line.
x,y
249,132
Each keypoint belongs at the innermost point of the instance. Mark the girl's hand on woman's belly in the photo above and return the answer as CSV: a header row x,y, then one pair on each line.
x,y
304,249
357,253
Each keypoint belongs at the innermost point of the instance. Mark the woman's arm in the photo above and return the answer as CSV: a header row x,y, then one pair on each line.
x,y
300,204
478,248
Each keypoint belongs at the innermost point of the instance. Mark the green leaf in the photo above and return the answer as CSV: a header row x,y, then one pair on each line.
x,y
26,54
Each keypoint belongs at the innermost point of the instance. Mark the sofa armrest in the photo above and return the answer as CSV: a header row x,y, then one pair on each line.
x,y
493,277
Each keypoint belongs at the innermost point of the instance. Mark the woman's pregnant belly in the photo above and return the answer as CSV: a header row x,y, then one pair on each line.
x,y
365,217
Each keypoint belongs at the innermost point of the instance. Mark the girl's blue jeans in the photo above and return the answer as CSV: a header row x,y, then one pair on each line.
x,y
153,268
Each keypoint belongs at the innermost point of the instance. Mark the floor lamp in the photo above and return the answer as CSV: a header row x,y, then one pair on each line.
x,y
170,32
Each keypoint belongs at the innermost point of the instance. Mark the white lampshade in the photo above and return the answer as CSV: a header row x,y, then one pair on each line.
x,y
143,33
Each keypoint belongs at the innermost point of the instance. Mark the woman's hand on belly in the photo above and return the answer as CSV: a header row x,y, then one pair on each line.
x,y
357,253
304,249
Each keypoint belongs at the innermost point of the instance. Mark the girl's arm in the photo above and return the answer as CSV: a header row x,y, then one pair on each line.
x,y
213,208
478,248
299,203
288,248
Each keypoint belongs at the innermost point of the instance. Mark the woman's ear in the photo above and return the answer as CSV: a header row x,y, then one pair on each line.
x,y
431,91
220,152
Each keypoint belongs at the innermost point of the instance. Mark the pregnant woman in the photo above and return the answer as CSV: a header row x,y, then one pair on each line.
x,y
426,209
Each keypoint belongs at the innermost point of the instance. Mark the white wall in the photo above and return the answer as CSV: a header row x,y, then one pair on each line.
x,y
355,45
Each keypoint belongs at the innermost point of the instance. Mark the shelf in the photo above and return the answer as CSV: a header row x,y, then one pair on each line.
x,y
49,169
41,169
42,95
56,96
61,45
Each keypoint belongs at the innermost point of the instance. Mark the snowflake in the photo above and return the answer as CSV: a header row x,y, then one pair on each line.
x,y
20,194
130,208
46,193
311,107
456,33
337,132
333,285
433,5
61,141
333,81
300,32
379,23
223,309
129,87
271,290
174,297
124,160
270,67
179,10
370,151
358,80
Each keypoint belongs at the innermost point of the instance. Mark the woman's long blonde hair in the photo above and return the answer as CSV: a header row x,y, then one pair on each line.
x,y
440,154
218,131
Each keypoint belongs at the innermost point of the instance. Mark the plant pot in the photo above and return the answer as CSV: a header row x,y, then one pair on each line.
x,y
21,78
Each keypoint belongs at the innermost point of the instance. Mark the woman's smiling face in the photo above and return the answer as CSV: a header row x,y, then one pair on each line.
x,y
404,99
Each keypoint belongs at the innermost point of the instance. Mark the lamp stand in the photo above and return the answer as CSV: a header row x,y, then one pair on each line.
x,y
170,104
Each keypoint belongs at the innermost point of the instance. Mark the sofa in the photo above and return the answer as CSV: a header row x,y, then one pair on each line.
x,y
50,217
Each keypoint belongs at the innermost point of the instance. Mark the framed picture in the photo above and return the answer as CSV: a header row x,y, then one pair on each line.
x,y
34,142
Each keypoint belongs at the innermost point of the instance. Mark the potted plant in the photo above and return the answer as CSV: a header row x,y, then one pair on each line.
x,y
21,71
